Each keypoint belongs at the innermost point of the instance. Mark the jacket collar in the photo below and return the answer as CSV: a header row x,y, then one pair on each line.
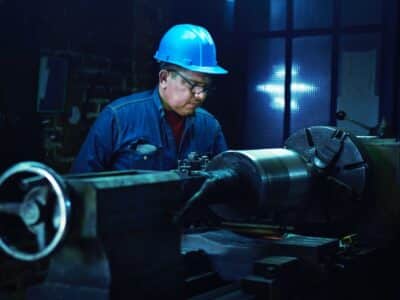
x,y
157,101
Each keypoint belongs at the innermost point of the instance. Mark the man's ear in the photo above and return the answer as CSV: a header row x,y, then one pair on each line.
x,y
162,78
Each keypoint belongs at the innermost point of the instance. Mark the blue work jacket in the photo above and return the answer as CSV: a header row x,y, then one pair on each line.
x,y
132,133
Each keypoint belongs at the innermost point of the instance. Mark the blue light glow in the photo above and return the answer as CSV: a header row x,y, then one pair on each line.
x,y
276,88
279,104
280,72
229,15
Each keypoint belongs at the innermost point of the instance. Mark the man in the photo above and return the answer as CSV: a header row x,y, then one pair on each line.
x,y
154,129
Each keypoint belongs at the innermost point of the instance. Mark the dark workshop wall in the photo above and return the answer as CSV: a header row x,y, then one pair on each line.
x,y
19,50
95,51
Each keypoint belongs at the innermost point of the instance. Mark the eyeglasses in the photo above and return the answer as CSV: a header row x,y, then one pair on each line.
x,y
195,88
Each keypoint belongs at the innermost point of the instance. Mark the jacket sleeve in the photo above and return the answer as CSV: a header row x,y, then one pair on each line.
x,y
97,149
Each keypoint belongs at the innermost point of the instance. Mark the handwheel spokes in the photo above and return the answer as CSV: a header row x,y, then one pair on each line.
x,y
40,232
10,208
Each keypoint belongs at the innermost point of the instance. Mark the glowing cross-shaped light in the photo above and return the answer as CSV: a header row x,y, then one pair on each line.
x,y
277,89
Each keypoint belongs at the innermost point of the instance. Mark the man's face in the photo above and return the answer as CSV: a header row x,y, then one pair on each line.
x,y
182,90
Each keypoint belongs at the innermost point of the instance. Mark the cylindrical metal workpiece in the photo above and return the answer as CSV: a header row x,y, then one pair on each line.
x,y
270,179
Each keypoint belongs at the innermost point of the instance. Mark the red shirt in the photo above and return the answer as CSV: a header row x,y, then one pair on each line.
x,y
177,124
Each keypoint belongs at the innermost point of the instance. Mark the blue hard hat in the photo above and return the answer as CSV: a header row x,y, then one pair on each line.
x,y
190,47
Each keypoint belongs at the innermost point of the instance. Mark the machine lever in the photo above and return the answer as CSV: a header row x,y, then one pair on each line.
x,y
216,177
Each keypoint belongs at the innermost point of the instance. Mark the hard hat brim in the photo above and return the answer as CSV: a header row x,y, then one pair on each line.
x,y
214,70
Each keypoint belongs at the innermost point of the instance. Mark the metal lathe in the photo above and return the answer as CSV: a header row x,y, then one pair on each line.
x,y
315,219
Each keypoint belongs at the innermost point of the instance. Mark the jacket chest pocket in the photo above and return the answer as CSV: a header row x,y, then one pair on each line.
x,y
139,155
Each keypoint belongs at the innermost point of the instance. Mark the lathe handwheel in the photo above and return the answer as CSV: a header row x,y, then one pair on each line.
x,y
41,216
